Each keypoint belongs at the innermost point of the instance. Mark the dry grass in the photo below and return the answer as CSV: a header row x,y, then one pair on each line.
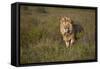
x,y
41,40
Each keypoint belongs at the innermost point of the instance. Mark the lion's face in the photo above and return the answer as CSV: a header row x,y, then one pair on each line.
x,y
66,23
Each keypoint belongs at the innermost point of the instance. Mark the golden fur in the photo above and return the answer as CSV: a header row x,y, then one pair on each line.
x,y
67,30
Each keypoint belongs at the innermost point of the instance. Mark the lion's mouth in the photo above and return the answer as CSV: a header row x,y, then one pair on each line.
x,y
66,30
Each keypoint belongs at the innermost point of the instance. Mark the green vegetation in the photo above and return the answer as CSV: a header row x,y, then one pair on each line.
x,y
40,38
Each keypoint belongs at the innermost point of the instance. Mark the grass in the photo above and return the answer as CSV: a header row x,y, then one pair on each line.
x,y
40,38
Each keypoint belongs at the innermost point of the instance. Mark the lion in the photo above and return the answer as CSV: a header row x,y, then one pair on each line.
x,y
67,30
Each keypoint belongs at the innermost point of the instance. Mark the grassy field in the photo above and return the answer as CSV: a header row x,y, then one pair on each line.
x,y
40,38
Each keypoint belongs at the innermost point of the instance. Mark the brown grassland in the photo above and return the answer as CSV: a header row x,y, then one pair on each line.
x,y
40,38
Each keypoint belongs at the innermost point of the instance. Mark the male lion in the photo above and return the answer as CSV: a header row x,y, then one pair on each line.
x,y
67,30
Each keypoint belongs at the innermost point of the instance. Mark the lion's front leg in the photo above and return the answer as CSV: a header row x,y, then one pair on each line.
x,y
67,43
72,41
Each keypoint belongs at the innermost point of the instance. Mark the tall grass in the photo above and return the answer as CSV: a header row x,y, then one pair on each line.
x,y
40,38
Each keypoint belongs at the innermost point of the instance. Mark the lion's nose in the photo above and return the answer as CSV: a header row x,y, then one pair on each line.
x,y
66,30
